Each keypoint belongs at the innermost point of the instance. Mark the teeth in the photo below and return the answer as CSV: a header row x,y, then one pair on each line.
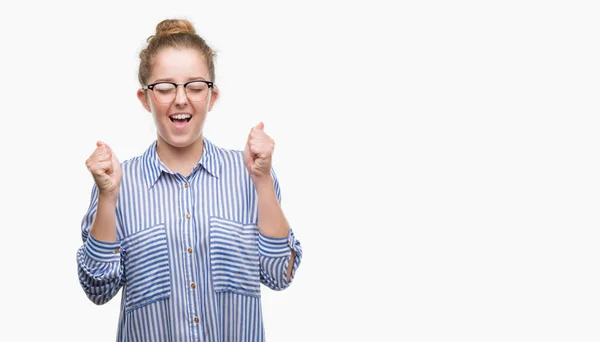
x,y
181,116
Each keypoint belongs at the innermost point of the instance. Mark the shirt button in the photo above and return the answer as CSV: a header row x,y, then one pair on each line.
x,y
116,251
187,216
190,250
196,319
193,285
186,185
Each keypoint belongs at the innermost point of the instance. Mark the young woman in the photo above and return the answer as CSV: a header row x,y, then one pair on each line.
x,y
188,229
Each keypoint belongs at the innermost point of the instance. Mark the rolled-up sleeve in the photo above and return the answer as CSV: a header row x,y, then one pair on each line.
x,y
275,256
99,263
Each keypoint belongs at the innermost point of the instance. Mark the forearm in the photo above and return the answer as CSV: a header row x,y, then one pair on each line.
x,y
104,227
271,220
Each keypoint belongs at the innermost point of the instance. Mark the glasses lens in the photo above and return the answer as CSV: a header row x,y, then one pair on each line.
x,y
196,91
165,92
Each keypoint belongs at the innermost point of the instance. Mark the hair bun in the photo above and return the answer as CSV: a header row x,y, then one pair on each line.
x,y
174,26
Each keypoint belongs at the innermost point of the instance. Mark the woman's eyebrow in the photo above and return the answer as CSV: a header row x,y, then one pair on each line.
x,y
172,80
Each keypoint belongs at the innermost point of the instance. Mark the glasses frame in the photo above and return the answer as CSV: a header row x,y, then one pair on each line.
x,y
151,87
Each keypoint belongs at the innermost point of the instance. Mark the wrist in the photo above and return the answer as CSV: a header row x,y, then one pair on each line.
x,y
108,197
263,183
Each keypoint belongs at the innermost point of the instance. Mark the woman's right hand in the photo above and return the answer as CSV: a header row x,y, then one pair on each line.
x,y
106,170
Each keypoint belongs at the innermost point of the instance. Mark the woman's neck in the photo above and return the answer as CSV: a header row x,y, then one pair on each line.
x,y
180,159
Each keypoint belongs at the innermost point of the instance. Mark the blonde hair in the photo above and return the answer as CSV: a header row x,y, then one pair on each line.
x,y
174,33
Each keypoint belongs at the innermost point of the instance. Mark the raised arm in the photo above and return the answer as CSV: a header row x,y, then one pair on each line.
x,y
99,261
279,252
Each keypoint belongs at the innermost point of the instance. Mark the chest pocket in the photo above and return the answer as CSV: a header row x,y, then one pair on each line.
x,y
234,257
146,267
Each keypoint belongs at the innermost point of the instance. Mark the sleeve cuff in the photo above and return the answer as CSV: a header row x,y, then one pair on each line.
x,y
275,247
102,251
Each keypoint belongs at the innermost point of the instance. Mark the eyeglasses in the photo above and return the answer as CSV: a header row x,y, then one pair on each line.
x,y
165,92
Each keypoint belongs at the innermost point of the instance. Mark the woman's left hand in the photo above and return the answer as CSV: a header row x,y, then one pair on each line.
x,y
258,153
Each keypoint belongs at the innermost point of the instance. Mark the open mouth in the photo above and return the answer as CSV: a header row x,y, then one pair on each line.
x,y
180,118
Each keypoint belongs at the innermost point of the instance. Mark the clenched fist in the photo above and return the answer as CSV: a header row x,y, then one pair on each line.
x,y
106,170
258,153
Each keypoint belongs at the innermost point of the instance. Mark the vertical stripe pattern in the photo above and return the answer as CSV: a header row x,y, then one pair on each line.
x,y
189,257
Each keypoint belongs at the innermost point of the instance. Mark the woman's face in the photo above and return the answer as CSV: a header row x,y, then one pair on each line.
x,y
180,122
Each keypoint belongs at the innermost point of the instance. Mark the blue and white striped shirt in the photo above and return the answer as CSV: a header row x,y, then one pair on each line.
x,y
189,255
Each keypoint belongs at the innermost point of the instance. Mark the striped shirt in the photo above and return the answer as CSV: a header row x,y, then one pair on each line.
x,y
189,255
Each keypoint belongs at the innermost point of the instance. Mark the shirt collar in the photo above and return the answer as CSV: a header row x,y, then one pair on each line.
x,y
153,167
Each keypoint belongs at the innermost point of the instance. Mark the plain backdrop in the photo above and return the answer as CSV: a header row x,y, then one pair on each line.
x,y
438,159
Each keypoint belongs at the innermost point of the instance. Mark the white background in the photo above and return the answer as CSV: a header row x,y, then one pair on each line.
x,y
438,159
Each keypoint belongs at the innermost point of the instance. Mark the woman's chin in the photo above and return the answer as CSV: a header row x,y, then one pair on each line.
x,y
182,141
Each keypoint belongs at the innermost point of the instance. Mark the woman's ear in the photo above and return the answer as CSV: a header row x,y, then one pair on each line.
x,y
213,96
141,94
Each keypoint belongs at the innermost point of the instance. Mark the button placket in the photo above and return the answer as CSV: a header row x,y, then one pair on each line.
x,y
188,224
